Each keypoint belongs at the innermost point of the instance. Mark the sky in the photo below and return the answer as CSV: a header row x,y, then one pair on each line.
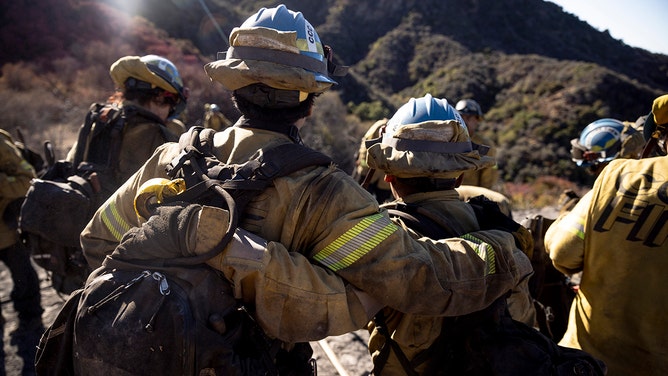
x,y
638,23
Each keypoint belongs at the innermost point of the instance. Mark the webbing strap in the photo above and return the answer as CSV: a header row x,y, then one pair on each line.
x,y
390,344
245,183
82,139
424,222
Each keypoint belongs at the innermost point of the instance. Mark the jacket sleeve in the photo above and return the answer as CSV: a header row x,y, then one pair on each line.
x,y
565,238
295,300
520,301
358,241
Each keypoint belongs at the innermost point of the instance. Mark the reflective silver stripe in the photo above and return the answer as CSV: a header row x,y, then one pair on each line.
x,y
114,222
356,242
485,251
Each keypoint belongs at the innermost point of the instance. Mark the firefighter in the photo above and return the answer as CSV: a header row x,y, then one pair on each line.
x,y
616,236
335,232
424,153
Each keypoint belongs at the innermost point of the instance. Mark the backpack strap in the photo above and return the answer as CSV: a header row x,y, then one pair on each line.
x,y
82,139
116,120
390,344
104,116
237,185
424,222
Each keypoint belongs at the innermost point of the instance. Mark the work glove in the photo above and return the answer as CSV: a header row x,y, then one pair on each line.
x,y
168,233
181,229
490,217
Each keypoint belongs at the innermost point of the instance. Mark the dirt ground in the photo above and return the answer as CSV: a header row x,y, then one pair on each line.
x,y
51,302
350,355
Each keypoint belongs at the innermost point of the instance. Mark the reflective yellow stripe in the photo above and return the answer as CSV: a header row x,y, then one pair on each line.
x,y
485,251
303,45
115,224
356,242
573,225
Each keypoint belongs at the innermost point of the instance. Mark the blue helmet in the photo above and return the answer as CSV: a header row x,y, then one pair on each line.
x,y
166,70
418,110
308,41
599,142
426,137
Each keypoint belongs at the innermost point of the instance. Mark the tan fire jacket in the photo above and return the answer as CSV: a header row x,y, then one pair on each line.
x,y
15,176
416,333
616,235
323,217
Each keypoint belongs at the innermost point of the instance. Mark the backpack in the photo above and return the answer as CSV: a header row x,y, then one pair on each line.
x,y
177,314
59,204
552,290
487,342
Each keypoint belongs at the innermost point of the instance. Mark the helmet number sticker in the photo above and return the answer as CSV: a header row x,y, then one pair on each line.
x,y
310,37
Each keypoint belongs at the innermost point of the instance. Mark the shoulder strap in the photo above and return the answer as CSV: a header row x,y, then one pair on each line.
x,y
285,159
106,115
199,137
116,119
84,132
241,182
390,344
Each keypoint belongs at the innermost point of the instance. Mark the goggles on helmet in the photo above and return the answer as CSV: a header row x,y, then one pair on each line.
x,y
585,157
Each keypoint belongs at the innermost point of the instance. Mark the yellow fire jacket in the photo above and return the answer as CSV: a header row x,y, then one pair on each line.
x,y
15,176
416,333
323,217
616,235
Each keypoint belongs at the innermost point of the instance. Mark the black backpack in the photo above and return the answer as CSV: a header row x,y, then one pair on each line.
x,y
487,342
176,315
64,198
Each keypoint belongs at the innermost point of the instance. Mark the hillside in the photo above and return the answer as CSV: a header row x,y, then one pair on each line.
x,y
539,73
